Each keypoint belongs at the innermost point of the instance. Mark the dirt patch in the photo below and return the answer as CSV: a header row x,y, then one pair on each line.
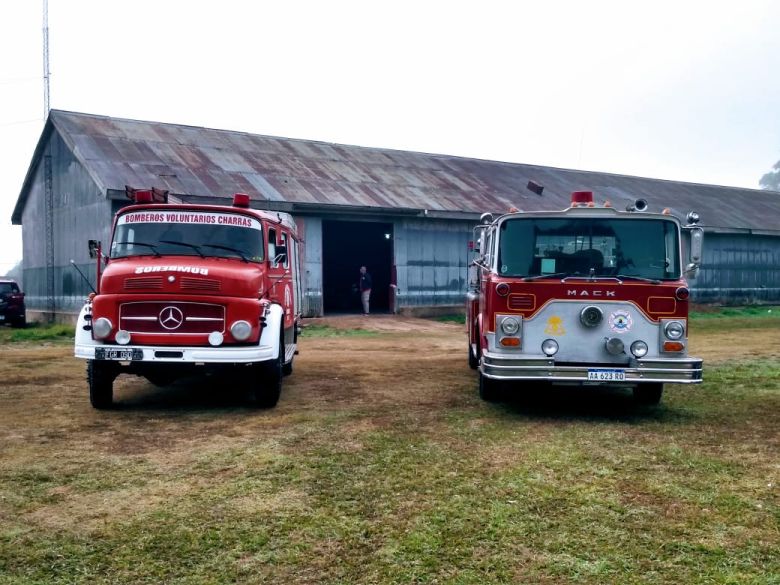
x,y
417,368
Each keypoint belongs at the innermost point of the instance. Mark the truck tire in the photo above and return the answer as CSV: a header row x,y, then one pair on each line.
x,y
473,360
100,377
287,368
265,383
19,323
648,393
489,389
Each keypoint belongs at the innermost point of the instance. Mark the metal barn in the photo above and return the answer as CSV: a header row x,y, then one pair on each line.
x,y
407,216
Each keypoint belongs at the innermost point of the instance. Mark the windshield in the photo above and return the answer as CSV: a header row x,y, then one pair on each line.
x,y
644,248
188,233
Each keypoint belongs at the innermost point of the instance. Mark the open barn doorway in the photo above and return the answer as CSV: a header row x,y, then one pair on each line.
x,y
346,246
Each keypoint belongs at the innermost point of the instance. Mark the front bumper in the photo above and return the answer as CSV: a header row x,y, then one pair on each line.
x,y
669,370
185,355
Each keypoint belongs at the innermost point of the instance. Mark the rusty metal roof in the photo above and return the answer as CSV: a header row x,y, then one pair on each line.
x,y
306,174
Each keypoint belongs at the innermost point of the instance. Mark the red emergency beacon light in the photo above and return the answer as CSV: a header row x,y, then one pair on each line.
x,y
581,198
241,200
143,196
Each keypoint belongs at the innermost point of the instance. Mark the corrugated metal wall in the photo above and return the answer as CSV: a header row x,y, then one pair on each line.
x,y
81,213
431,256
431,261
738,268
310,229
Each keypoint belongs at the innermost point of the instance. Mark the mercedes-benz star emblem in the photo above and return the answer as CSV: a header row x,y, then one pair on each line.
x,y
171,318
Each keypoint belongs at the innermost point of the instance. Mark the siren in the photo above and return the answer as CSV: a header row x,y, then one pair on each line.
x,y
638,205
241,200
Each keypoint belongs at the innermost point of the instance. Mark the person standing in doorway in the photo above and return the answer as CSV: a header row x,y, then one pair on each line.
x,y
365,288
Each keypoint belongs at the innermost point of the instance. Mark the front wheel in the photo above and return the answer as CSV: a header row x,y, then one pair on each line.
x,y
100,377
648,393
265,382
473,360
489,389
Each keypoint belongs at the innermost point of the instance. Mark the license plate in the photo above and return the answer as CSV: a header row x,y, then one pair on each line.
x,y
2,317
124,354
603,375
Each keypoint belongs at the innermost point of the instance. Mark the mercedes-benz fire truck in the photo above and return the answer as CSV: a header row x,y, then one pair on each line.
x,y
587,295
188,289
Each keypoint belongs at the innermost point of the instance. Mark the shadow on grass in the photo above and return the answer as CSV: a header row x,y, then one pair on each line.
x,y
193,395
586,403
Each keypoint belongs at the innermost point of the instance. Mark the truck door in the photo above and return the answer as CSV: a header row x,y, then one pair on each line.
x,y
279,273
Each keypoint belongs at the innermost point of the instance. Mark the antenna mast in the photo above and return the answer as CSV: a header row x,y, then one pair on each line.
x,y
45,59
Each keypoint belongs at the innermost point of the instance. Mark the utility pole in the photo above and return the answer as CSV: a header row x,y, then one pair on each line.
x,y
48,188
45,59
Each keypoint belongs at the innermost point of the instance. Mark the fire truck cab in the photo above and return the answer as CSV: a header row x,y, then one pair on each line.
x,y
585,296
193,289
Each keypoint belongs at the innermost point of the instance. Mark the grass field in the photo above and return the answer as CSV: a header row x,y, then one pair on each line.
x,y
381,465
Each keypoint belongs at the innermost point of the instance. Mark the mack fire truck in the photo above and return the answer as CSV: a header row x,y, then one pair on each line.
x,y
191,289
585,296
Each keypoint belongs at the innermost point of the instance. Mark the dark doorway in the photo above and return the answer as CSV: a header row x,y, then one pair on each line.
x,y
346,246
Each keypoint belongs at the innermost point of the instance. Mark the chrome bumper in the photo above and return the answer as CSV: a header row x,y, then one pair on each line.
x,y
195,355
672,371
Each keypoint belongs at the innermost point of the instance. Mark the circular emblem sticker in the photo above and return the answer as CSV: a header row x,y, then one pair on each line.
x,y
620,321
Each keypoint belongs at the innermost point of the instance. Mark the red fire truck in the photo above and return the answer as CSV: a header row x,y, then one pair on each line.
x,y
587,295
189,289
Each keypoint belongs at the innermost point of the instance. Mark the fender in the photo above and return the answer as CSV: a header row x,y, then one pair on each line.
x,y
274,321
84,337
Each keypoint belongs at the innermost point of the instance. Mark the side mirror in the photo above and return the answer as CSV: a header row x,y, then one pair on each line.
x,y
697,240
281,255
94,246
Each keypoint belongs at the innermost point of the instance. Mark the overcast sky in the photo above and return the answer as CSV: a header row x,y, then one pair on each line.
x,y
676,90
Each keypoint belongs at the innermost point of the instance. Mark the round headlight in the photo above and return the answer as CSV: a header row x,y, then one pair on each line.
x,y
615,346
674,330
639,349
591,316
241,330
102,327
216,338
510,325
549,347
122,337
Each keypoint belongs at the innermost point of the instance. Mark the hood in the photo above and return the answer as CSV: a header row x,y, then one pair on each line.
x,y
183,275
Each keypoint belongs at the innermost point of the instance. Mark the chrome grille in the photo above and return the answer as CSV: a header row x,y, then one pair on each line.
x,y
171,318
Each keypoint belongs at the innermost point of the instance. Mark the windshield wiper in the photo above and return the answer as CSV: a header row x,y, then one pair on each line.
x,y
185,244
229,249
540,276
152,246
639,278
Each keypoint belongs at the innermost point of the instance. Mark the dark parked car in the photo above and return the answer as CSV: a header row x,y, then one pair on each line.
x,y
11,304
